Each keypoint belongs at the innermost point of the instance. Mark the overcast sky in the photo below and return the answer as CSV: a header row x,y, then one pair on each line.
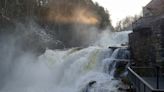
x,y
119,9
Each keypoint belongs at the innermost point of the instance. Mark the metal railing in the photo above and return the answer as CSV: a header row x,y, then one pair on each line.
x,y
139,83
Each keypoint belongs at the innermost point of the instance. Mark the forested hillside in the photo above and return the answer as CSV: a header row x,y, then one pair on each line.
x,y
57,11
65,22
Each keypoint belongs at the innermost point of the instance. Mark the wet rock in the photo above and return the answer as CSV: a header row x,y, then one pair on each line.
x,y
89,86
120,67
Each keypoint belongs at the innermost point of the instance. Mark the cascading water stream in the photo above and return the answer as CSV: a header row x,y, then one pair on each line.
x,y
66,71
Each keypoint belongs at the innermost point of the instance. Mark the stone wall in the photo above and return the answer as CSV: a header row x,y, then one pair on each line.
x,y
147,41
155,7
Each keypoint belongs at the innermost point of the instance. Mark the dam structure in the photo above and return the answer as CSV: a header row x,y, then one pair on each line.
x,y
147,49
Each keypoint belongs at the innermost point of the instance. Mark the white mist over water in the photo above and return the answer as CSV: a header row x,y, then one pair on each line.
x,y
108,38
66,70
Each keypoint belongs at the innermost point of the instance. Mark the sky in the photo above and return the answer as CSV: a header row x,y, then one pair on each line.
x,y
119,9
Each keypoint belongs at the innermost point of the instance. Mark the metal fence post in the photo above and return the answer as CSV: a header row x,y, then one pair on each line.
x,y
157,76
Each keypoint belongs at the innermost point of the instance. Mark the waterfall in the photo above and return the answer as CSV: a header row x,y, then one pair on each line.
x,y
88,69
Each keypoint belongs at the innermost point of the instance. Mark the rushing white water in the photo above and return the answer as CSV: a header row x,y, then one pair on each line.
x,y
67,70
108,38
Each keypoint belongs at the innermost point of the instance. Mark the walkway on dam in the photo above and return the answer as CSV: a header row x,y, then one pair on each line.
x,y
153,82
